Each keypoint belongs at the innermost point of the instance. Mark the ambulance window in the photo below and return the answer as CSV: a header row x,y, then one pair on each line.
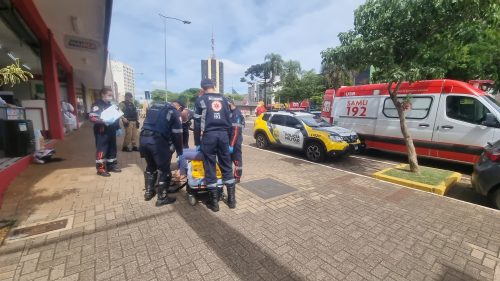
x,y
278,120
420,107
466,109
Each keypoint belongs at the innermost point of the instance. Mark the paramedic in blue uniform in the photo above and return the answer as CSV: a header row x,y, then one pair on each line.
x,y
236,139
161,126
213,116
105,135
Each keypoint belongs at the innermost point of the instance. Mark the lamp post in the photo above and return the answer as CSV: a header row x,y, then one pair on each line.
x,y
165,18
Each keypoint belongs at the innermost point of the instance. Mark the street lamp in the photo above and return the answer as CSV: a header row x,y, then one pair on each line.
x,y
165,35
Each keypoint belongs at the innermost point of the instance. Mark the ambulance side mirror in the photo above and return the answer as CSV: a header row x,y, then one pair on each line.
x,y
491,121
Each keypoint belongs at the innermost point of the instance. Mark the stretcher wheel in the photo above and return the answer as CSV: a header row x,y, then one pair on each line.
x,y
192,199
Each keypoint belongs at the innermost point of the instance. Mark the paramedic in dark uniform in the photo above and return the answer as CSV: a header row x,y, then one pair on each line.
x,y
186,117
214,126
161,126
130,121
236,139
105,135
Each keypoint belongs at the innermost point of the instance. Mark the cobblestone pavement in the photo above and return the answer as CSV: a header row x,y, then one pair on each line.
x,y
335,226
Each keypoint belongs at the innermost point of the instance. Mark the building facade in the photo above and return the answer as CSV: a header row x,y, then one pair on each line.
x,y
213,69
123,79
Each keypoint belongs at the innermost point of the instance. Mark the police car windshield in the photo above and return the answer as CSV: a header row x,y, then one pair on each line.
x,y
493,102
313,121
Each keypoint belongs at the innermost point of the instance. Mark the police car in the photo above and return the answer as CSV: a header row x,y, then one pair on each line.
x,y
304,131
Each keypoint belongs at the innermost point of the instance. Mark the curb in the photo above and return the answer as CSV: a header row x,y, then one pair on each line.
x,y
439,189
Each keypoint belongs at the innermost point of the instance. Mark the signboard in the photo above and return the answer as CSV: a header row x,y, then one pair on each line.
x,y
80,43
357,107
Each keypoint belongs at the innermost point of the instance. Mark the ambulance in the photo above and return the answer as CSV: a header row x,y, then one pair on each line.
x,y
447,119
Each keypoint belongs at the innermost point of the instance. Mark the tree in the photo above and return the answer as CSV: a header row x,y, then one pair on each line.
x,y
189,96
236,97
420,39
267,72
158,95
336,75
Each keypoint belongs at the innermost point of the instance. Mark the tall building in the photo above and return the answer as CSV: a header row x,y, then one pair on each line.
x,y
123,79
213,69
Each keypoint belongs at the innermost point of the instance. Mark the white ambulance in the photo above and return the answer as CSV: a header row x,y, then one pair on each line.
x,y
447,119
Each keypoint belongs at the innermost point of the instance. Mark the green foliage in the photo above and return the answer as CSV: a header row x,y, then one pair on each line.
x,y
234,96
302,85
422,39
14,74
158,95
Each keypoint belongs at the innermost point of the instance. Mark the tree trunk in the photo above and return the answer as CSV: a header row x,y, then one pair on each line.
x,y
410,147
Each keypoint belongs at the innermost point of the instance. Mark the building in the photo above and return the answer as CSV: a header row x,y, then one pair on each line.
x,y
123,79
257,91
63,43
213,69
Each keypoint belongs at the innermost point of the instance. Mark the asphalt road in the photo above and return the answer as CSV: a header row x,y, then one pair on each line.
x,y
373,161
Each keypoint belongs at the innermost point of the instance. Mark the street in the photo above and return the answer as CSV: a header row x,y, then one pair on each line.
x,y
372,161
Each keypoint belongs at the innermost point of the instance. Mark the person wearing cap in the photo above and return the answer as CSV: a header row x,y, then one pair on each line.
x,y
130,120
186,117
213,127
236,139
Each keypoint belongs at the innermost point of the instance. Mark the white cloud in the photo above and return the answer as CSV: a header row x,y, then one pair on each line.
x,y
245,31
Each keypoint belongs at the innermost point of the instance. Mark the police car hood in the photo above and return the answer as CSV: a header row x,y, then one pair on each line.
x,y
336,130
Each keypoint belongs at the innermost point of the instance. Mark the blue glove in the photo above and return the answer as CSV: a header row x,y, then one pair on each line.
x,y
198,148
231,149
119,132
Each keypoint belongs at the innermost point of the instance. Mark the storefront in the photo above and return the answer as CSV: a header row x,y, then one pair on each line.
x,y
63,43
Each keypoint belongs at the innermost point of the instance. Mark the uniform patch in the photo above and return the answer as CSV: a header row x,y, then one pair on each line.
x,y
216,106
95,108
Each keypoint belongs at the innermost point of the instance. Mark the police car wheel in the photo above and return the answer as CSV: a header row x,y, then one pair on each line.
x,y
315,152
261,141
192,199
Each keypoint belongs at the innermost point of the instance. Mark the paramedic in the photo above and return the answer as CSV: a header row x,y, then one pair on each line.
x,y
105,135
213,118
162,125
236,140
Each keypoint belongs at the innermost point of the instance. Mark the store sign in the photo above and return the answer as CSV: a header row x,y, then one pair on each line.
x,y
80,43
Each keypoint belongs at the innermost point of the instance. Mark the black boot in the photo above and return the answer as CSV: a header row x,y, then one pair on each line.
x,y
134,148
113,167
149,182
163,198
231,196
126,149
213,200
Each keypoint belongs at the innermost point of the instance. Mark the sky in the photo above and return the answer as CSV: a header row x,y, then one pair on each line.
x,y
244,31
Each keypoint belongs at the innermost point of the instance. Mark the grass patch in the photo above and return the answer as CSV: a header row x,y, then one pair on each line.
x,y
427,175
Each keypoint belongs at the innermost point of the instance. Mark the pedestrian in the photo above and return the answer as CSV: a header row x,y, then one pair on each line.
x,y
68,116
213,118
161,126
105,135
236,139
130,120
260,109
186,117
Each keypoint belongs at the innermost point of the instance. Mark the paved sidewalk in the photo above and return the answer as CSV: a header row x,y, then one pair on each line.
x,y
334,226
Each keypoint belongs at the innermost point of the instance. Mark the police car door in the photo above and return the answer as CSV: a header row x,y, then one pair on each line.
x,y
292,135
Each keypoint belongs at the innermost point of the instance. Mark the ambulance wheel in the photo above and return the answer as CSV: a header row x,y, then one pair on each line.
x,y
192,199
315,152
261,141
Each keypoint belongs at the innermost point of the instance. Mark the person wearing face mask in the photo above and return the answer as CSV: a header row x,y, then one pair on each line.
x,y
105,136
130,121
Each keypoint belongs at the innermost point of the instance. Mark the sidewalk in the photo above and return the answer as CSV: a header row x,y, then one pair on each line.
x,y
328,225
